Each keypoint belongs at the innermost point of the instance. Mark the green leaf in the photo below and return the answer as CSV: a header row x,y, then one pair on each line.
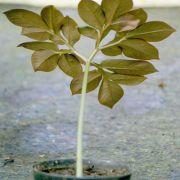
x,y
114,8
120,35
152,31
130,80
91,13
70,65
115,19
44,60
52,17
35,33
139,49
112,51
129,67
65,51
25,18
57,39
94,79
110,93
79,58
70,30
125,22
139,14
37,45
105,32
89,32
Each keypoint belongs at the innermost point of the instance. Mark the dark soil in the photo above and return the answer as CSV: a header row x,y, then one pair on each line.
x,y
89,171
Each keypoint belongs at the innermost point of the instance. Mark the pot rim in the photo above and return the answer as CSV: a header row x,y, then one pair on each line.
x,y
106,163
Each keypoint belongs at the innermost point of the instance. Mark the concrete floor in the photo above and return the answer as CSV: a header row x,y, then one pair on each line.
x,y
38,115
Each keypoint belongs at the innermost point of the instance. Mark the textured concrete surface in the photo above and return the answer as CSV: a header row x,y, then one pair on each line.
x,y
38,115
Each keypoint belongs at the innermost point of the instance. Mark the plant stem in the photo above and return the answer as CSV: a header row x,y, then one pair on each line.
x,y
112,44
69,46
79,161
76,53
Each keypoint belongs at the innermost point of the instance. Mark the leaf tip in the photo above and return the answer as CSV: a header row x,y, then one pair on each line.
x,y
5,12
72,93
19,45
75,93
156,70
110,106
35,69
172,29
157,57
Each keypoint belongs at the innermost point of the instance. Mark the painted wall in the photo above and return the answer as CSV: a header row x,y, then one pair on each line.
x,y
72,3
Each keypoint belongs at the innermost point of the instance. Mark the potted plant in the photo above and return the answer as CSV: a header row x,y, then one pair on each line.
x,y
52,31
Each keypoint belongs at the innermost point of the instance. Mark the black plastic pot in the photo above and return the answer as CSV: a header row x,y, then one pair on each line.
x,y
40,170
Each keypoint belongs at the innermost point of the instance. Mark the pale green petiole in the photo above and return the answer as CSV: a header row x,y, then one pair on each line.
x,y
79,165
